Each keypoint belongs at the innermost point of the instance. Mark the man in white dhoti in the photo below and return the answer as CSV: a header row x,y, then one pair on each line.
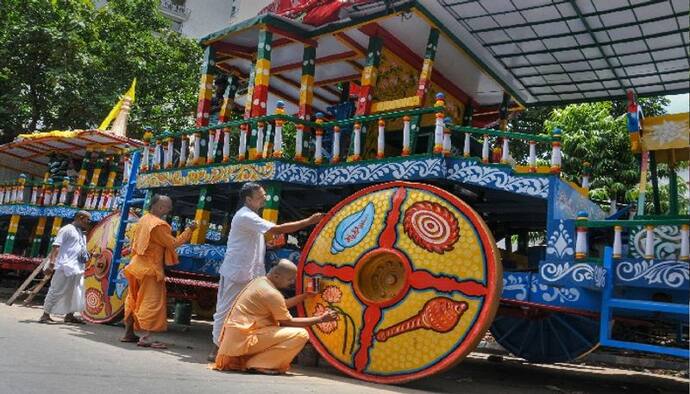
x,y
246,249
67,260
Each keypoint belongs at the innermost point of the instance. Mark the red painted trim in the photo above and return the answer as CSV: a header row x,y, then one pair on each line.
x,y
401,50
293,36
281,42
320,60
534,305
494,280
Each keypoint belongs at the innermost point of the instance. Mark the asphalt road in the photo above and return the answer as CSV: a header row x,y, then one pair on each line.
x,y
37,358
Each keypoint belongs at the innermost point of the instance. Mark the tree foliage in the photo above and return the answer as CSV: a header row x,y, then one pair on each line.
x,y
64,64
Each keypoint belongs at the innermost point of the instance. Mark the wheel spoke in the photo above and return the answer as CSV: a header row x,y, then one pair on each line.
x,y
372,316
343,273
421,280
389,234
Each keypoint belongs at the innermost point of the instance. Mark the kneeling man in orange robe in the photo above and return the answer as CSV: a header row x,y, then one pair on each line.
x,y
153,247
259,334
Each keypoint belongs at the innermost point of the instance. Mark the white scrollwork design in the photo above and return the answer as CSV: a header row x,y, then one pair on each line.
x,y
516,283
385,171
290,172
666,242
670,273
552,293
472,172
560,242
552,272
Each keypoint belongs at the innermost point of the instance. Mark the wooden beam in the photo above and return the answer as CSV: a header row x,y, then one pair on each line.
x,y
227,47
322,60
325,82
293,36
407,55
350,43
356,65
297,86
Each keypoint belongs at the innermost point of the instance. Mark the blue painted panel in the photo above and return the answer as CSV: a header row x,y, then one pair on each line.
x,y
382,171
496,177
202,259
560,242
572,274
659,274
527,286
55,211
567,202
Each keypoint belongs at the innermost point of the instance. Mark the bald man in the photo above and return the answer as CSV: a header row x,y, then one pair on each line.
x,y
153,247
259,333
67,261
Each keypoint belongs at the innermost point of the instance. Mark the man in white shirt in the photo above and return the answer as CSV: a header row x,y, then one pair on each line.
x,y
246,249
67,260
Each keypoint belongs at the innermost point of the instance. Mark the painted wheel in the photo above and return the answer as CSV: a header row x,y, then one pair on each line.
x,y
414,275
546,337
101,308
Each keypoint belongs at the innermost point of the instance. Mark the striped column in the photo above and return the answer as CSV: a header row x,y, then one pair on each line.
x,y
335,159
438,128
586,173
270,211
318,147
262,75
532,156
57,223
38,236
11,234
503,126
62,200
447,141
649,242
202,216
556,152
427,66
381,139
278,136
306,97
684,243
145,160
81,179
581,237
369,75
21,182
467,121
356,144
226,111
208,71
406,136
617,242
241,154
106,199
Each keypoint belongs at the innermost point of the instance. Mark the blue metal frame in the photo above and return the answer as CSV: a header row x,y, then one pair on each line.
x,y
127,202
608,303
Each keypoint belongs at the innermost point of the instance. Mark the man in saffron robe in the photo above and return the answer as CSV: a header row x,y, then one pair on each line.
x,y
153,247
259,333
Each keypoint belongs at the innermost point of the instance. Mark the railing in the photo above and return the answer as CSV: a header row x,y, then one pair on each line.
x,y
58,192
176,10
678,226
262,138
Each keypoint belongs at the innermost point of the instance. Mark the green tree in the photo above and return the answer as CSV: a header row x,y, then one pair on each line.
x,y
591,134
64,64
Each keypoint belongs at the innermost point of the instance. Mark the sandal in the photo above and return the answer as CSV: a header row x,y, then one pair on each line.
x,y
152,345
263,371
46,320
74,320
133,339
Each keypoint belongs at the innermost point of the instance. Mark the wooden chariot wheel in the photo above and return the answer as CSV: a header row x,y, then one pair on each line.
x,y
100,307
414,275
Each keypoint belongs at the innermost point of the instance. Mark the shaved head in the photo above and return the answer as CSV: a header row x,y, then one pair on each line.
x,y
283,274
161,205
